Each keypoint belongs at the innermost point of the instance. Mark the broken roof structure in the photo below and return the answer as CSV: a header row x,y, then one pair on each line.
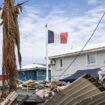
x,y
84,88
98,99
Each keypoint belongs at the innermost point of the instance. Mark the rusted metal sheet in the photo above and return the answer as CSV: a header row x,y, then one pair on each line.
x,y
81,89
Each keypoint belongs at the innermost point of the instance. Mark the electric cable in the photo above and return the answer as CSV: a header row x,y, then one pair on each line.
x,y
83,46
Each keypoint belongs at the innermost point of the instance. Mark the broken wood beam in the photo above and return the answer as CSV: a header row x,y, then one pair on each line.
x,y
10,98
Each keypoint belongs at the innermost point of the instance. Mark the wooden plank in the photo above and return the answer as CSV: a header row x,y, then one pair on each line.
x,y
10,98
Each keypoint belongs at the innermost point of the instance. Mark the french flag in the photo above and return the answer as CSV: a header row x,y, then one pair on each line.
x,y
57,38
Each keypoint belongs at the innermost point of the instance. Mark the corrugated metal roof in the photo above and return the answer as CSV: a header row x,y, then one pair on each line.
x,y
89,48
33,66
81,89
98,99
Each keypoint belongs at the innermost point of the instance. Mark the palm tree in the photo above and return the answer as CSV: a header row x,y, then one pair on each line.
x,y
11,37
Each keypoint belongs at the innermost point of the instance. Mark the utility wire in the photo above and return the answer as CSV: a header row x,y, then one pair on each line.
x,y
83,47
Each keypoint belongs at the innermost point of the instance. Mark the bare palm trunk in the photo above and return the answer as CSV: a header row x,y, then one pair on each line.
x,y
11,37
9,34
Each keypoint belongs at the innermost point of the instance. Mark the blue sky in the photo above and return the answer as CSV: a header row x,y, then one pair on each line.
x,y
77,17
69,6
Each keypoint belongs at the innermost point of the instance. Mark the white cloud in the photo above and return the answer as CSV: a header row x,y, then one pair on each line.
x,y
33,32
92,2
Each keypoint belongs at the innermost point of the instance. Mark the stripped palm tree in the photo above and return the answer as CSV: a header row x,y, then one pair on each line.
x,y
11,37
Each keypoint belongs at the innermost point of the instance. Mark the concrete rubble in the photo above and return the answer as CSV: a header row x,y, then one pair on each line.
x,y
43,89
35,91
86,90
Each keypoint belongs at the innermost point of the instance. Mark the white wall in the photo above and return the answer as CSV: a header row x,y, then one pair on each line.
x,y
79,64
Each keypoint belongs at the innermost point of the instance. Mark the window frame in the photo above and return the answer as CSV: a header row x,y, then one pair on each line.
x,y
87,61
61,63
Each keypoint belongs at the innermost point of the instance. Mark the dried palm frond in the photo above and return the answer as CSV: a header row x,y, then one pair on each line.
x,y
17,39
20,8
16,10
19,4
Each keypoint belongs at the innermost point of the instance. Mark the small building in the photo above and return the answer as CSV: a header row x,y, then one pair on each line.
x,y
66,63
33,72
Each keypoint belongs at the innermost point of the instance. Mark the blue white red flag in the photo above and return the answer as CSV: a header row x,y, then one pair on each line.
x,y
57,38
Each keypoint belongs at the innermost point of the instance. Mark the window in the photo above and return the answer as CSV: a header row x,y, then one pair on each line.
x,y
61,63
91,59
53,62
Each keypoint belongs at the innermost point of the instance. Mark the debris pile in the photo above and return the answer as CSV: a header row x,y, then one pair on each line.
x,y
43,89
34,91
86,90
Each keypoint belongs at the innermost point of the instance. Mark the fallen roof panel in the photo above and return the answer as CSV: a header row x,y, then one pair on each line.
x,y
94,100
82,88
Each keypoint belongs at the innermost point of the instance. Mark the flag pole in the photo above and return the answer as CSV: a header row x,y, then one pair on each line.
x,y
47,76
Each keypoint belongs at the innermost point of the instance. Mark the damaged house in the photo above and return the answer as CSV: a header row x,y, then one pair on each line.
x,y
91,58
